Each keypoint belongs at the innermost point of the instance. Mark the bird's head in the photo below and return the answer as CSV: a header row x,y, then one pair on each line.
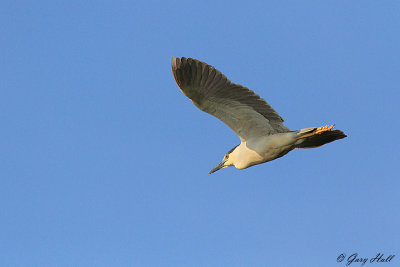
x,y
227,161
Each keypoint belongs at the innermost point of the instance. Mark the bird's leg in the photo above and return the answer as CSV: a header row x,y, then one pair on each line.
x,y
323,129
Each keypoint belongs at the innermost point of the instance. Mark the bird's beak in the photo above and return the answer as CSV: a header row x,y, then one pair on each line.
x,y
218,167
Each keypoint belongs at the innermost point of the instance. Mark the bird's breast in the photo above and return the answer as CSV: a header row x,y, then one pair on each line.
x,y
264,149
246,157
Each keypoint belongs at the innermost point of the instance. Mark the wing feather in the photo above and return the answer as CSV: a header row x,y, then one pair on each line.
x,y
245,112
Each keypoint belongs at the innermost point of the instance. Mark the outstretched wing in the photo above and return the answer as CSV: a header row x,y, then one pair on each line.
x,y
246,113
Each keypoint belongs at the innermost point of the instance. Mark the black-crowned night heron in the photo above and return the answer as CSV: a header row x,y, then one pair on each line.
x,y
259,127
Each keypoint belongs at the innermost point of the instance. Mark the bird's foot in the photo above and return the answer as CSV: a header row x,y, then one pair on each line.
x,y
323,129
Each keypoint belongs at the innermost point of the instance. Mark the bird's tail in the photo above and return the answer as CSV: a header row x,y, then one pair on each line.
x,y
315,137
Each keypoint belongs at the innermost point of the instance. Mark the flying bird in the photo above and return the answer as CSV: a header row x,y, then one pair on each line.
x,y
260,128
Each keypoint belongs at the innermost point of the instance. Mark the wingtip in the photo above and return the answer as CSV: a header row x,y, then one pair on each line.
x,y
173,62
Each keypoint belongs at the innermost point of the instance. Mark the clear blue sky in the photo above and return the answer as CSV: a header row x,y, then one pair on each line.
x,y
104,162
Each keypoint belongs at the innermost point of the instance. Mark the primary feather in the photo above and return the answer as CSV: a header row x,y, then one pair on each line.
x,y
245,112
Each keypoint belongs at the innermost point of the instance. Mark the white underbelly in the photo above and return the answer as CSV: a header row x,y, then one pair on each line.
x,y
264,149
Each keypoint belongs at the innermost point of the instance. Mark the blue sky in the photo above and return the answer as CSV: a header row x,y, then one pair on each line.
x,y
104,162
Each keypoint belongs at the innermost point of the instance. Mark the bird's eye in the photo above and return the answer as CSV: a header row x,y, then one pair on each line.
x,y
227,156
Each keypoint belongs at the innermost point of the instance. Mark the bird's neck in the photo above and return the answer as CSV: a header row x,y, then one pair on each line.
x,y
243,157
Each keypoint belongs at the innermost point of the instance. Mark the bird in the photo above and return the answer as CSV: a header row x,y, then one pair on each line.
x,y
259,127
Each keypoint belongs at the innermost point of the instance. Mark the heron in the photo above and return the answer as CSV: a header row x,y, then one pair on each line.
x,y
259,127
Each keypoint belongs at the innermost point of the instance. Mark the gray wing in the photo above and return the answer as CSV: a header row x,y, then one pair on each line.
x,y
246,113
